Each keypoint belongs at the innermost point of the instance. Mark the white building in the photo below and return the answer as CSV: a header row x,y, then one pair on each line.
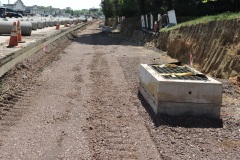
x,y
18,6
33,10
36,10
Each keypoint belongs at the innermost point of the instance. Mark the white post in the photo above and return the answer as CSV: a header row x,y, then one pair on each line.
x,y
143,22
146,21
172,17
151,19
159,17
160,21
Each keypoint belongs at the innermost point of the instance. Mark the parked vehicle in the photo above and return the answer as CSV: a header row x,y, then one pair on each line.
x,y
6,12
83,18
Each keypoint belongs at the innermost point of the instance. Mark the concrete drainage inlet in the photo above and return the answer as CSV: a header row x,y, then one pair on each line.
x,y
178,72
180,90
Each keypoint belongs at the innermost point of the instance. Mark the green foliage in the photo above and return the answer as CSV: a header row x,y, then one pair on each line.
x,y
108,8
81,12
126,8
86,11
153,6
206,19
205,7
99,13
68,10
113,8
130,8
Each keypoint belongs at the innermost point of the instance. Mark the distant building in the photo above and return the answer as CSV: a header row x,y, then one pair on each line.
x,y
1,4
18,6
93,10
34,10
57,12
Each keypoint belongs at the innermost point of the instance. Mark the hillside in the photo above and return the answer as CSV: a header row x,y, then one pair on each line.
x,y
214,44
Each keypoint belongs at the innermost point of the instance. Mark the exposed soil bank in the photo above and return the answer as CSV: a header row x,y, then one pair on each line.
x,y
215,46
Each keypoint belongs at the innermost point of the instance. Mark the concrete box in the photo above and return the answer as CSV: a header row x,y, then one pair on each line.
x,y
180,97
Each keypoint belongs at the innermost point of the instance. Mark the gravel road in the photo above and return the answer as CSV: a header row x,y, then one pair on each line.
x,y
78,99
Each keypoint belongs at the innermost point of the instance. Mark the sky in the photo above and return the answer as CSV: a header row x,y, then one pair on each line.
x,y
74,4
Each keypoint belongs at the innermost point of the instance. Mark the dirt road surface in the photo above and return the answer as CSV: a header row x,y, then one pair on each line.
x,y
78,99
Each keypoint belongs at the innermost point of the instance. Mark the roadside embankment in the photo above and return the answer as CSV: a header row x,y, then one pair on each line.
x,y
215,46
9,57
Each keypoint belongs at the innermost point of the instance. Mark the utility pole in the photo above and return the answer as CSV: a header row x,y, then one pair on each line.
x,y
8,1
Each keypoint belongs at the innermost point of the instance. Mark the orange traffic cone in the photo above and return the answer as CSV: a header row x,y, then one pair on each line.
x,y
57,26
14,38
67,25
155,26
19,33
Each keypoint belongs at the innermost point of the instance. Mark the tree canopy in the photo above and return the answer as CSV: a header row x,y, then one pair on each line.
x,y
129,8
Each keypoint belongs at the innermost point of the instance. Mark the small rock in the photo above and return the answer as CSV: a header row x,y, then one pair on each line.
x,y
24,77
238,78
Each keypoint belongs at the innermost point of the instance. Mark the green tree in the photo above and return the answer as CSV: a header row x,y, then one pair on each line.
x,y
108,8
141,6
81,12
68,10
127,8
112,8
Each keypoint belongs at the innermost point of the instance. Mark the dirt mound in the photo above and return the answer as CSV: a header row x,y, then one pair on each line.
x,y
214,46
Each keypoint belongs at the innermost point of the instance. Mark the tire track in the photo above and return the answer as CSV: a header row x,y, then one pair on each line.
x,y
114,128
109,134
17,84
11,114
112,131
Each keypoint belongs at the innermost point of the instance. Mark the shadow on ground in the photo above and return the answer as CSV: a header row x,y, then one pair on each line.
x,y
180,121
103,38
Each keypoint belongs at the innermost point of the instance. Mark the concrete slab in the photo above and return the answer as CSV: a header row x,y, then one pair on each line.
x,y
180,97
40,38
45,31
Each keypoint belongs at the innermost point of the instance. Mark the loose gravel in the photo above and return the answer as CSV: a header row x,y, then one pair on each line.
x,y
105,107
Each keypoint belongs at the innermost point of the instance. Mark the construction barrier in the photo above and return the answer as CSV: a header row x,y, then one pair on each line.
x,y
19,34
13,38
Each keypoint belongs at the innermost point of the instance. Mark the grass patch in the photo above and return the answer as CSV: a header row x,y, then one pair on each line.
x,y
205,19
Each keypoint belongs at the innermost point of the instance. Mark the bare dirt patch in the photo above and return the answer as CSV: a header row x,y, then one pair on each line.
x,y
102,109
214,46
